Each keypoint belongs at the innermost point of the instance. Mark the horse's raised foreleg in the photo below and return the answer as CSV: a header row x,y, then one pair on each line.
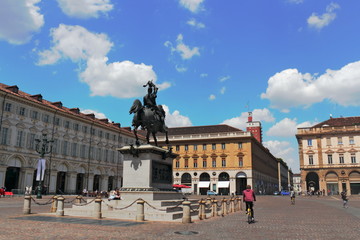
x,y
167,138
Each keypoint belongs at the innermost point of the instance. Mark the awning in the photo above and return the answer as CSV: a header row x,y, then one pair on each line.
x,y
204,184
223,184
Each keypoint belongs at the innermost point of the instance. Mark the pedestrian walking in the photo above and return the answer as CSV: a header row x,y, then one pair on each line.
x,y
345,199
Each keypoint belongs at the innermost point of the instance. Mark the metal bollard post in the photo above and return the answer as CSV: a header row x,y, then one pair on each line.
x,y
140,210
214,208
97,208
60,206
78,199
27,205
186,212
54,204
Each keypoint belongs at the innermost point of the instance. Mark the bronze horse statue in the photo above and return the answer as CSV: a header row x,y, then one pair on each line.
x,y
149,119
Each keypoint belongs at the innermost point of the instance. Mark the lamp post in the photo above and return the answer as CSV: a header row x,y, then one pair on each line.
x,y
43,147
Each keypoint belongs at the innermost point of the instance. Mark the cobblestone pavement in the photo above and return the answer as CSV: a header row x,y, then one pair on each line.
x,y
310,218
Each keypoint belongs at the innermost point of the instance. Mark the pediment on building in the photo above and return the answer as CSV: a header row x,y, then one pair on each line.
x,y
33,129
6,122
240,154
352,150
223,155
340,150
310,152
329,152
20,125
204,156
195,156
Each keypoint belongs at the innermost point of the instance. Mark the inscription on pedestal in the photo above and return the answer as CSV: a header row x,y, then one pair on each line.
x,y
161,173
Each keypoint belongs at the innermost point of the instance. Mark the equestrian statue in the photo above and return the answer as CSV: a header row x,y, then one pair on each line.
x,y
149,116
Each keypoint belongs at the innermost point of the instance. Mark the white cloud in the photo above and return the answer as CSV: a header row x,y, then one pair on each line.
x,y
19,19
224,78
193,22
175,119
75,43
212,97
287,127
85,8
185,51
203,75
295,1
290,88
282,150
193,5
325,19
222,90
119,79
97,114
180,68
263,115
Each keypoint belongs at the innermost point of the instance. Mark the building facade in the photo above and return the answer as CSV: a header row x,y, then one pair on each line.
x,y
83,150
329,156
297,182
222,159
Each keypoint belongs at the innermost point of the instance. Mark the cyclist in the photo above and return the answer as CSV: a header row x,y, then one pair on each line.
x,y
249,198
292,196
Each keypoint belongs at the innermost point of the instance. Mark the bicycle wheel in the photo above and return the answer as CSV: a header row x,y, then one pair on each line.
x,y
249,216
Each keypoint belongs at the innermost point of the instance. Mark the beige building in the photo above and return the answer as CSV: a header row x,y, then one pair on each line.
x,y
84,149
222,159
329,156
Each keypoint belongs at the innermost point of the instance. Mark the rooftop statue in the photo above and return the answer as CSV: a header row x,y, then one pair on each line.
x,y
150,116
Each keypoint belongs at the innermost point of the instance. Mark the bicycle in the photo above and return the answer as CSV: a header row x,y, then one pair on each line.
x,y
250,217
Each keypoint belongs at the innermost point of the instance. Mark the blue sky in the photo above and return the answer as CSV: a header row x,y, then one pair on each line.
x,y
291,62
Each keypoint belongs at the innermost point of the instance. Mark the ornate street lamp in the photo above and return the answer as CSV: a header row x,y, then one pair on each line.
x,y
43,147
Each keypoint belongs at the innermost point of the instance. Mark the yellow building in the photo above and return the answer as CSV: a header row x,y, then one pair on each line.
x,y
221,158
329,156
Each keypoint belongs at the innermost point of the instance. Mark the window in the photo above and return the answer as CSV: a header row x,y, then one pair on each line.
x,y
213,146
65,148
100,133
351,141
82,151
76,126
177,163
195,163
311,160
328,141
67,124
22,111
8,107
31,141
223,146
340,142
73,149
106,155
204,163
46,118
330,161
213,162
186,162
204,146
92,131
98,154
241,161
341,158
353,158
57,121
20,139
195,147
34,115
84,129
4,136
309,142
55,146
91,153
223,162
240,145
186,147
107,136
177,148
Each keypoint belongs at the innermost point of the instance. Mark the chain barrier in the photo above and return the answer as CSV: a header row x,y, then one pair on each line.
x,y
70,201
154,207
38,203
194,210
87,203
117,208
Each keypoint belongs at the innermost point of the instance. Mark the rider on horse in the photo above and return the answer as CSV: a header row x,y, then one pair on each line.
x,y
150,101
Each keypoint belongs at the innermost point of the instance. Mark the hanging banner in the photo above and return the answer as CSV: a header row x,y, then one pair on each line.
x,y
40,170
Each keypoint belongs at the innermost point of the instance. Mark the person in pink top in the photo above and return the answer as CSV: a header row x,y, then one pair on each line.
x,y
249,198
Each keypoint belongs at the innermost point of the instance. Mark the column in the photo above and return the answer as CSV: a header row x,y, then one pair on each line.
x,y
90,182
53,179
104,182
28,177
2,175
71,182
